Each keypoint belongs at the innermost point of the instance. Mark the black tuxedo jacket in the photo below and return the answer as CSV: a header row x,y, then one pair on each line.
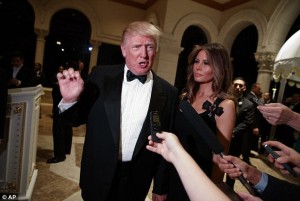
x,y
243,124
3,100
280,190
245,117
257,115
25,74
99,107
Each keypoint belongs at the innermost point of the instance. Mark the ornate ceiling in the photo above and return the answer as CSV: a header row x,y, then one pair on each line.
x,y
217,4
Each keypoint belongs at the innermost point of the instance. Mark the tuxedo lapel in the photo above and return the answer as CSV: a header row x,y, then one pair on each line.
x,y
112,103
157,102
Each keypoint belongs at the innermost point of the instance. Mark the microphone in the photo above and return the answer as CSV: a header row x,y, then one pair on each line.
x,y
208,136
201,127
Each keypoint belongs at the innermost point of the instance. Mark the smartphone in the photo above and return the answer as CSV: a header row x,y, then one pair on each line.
x,y
258,102
155,125
275,156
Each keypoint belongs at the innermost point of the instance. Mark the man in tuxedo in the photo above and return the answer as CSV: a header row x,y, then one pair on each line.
x,y
3,101
62,132
116,166
243,124
265,126
19,74
255,94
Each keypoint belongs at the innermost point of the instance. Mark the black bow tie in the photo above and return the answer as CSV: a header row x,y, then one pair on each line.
x,y
130,76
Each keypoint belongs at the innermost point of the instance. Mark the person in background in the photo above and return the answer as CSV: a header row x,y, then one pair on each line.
x,y
278,114
62,131
81,70
3,101
243,124
196,183
284,133
254,94
115,103
264,126
19,75
267,186
39,77
297,141
208,90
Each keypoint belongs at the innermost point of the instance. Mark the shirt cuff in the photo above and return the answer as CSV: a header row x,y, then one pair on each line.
x,y
64,106
262,184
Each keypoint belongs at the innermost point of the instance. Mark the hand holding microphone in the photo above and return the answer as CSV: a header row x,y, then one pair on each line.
x,y
208,136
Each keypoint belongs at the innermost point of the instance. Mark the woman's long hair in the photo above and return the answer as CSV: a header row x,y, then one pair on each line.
x,y
219,61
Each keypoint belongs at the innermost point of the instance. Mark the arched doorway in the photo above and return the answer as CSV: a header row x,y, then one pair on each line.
x,y
242,53
193,35
109,54
17,33
67,42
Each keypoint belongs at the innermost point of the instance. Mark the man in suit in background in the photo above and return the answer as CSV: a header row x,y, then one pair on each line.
x,y
116,166
3,101
265,126
243,124
255,94
20,75
62,132
285,133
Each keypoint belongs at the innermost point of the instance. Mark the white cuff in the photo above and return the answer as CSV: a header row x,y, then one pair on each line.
x,y
64,106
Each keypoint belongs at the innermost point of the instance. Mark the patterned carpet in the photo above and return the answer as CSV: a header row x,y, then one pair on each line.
x,y
57,181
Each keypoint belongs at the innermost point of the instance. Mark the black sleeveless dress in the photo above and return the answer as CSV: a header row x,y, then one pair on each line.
x,y
195,146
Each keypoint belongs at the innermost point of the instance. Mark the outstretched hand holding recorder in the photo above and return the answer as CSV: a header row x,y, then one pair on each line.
x,y
275,156
286,159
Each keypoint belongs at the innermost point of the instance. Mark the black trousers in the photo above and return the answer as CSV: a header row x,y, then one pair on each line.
x,y
120,187
62,137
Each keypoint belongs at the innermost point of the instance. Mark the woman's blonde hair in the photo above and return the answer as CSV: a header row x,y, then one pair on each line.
x,y
142,28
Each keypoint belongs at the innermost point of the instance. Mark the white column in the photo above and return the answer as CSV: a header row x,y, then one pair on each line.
x,y
40,45
167,59
265,69
94,53
18,172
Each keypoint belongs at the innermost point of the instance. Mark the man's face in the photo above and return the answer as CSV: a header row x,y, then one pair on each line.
x,y
295,98
16,61
266,96
139,53
239,87
257,90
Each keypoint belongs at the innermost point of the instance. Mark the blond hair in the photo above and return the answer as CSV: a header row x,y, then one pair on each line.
x,y
142,28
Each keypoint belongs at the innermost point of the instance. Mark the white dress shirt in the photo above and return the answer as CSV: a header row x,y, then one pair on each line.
x,y
135,100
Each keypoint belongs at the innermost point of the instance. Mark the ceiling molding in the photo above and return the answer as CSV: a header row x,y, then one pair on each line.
x,y
143,5
222,6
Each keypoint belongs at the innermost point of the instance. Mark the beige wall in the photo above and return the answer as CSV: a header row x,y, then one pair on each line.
x,y
272,18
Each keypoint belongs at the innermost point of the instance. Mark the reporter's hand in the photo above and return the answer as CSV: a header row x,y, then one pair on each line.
x,y
168,147
236,167
286,155
276,113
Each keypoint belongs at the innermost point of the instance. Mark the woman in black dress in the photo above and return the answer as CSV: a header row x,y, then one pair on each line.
x,y
208,89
